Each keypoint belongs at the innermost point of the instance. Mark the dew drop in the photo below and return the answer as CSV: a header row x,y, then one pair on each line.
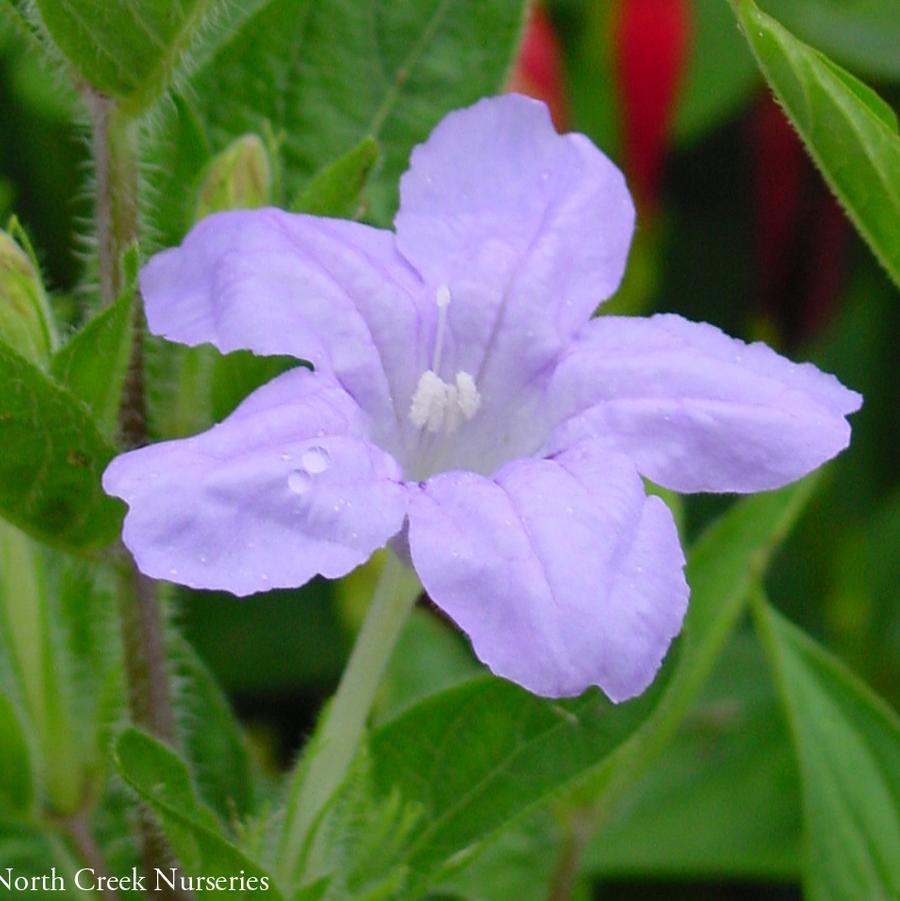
x,y
173,572
315,460
203,560
264,577
285,456
299,481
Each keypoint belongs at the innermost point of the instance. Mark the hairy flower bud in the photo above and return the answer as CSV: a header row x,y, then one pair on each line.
x,y
240,177
26,323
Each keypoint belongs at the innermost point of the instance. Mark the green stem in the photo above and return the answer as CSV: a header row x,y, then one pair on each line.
x,y
116,183
116,171
82,839
335,745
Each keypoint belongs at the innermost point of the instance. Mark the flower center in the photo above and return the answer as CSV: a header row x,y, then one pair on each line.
x,y
439,406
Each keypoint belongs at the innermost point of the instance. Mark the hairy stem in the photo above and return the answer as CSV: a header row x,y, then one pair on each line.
x,y
145,652
79,834
116,173
335,744
116,185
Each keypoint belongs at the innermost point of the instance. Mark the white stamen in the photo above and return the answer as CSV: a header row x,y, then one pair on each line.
x,y
443,301
468,398
452,410
440,407
429,402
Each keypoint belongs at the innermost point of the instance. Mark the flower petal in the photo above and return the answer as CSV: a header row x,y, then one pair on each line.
x,y
332,292
285,488
528,228
562,572
695,409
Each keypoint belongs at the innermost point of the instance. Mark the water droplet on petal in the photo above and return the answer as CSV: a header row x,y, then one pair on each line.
x,y
173,572
285,456
203,560
315,460
264,577
299,481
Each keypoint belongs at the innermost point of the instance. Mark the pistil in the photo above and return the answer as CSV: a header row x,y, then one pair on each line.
x,y
439,406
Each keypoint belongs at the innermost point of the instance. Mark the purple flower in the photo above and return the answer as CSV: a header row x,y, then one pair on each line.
x,y
463,400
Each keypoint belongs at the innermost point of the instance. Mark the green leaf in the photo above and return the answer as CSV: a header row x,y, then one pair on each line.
x,y
848,745
429,657
324,76
212,738
848,130
863,34
93,363
724,799
163,782
723,565
337,190
477,756
237,374
53,456
16,777
125,48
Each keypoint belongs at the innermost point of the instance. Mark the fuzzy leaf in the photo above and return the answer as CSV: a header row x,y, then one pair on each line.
x,y
212,737
337,190
323,76
163,782
849,131
93,363
125,48
848,745
863,34
725,796
53,456
499,751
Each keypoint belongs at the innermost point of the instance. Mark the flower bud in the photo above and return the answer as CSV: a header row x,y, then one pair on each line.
x,y
26,323
238,178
